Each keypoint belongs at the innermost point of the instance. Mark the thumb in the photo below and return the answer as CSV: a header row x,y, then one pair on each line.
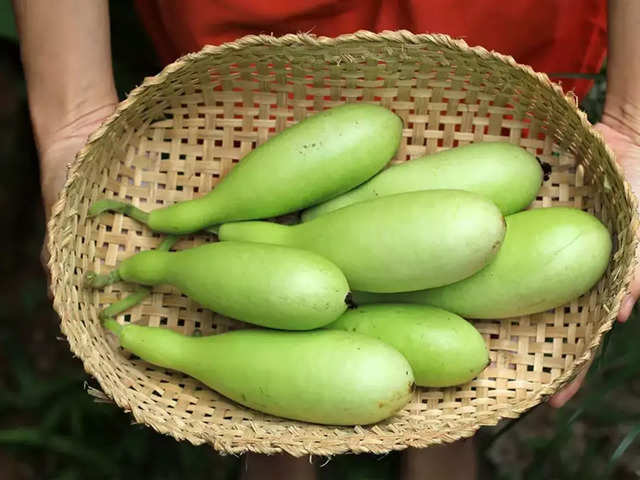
x,y
563,396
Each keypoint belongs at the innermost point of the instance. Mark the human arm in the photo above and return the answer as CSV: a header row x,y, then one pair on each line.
x,y
620,126
66,55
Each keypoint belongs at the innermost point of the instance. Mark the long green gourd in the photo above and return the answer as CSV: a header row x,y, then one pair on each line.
x,y
403,242
442,348
549,257
505,173
267,285
325,376
314,160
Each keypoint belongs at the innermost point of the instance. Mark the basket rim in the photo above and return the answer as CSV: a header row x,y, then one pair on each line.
x,y
54,229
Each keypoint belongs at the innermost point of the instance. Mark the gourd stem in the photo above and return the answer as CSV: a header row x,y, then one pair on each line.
x,y
168,242
107,205
126,303
96,280
141,292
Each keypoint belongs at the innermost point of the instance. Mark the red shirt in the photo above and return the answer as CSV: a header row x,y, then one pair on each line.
x,y
553,36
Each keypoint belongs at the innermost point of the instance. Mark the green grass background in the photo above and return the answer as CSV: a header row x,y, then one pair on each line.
x,y
51,428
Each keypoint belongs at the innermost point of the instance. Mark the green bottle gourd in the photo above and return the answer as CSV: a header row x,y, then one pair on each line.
x,y
506,174
314,160
267,285
324,376
403,242
549,257
442,348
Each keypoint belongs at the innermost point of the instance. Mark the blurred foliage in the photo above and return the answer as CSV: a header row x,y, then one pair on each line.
x,y
50,428
7,23
593,103
592,437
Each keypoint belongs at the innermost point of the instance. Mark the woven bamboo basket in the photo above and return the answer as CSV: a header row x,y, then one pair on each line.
x,y
183,130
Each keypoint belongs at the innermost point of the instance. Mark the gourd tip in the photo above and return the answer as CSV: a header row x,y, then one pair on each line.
x,y
349,301
95,280
89,278
99,207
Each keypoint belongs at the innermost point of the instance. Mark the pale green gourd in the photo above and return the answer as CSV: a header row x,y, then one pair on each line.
x,y
549,257
325,376
316,159
506,174
403,242
267,285
442,348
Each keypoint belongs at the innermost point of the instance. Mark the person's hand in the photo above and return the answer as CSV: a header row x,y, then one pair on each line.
x,y
58,150
628,156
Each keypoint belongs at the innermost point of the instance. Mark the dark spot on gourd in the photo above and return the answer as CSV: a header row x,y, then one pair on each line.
x,y
412,386
381,404
349,301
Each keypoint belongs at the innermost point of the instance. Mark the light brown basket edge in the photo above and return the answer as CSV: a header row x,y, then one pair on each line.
x,y
401,36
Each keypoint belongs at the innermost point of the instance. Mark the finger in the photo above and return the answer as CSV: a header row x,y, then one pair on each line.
x,y
626,307
44,261
564,395
628,302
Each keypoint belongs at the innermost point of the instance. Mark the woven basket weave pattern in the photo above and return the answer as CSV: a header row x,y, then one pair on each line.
x,y
179,133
